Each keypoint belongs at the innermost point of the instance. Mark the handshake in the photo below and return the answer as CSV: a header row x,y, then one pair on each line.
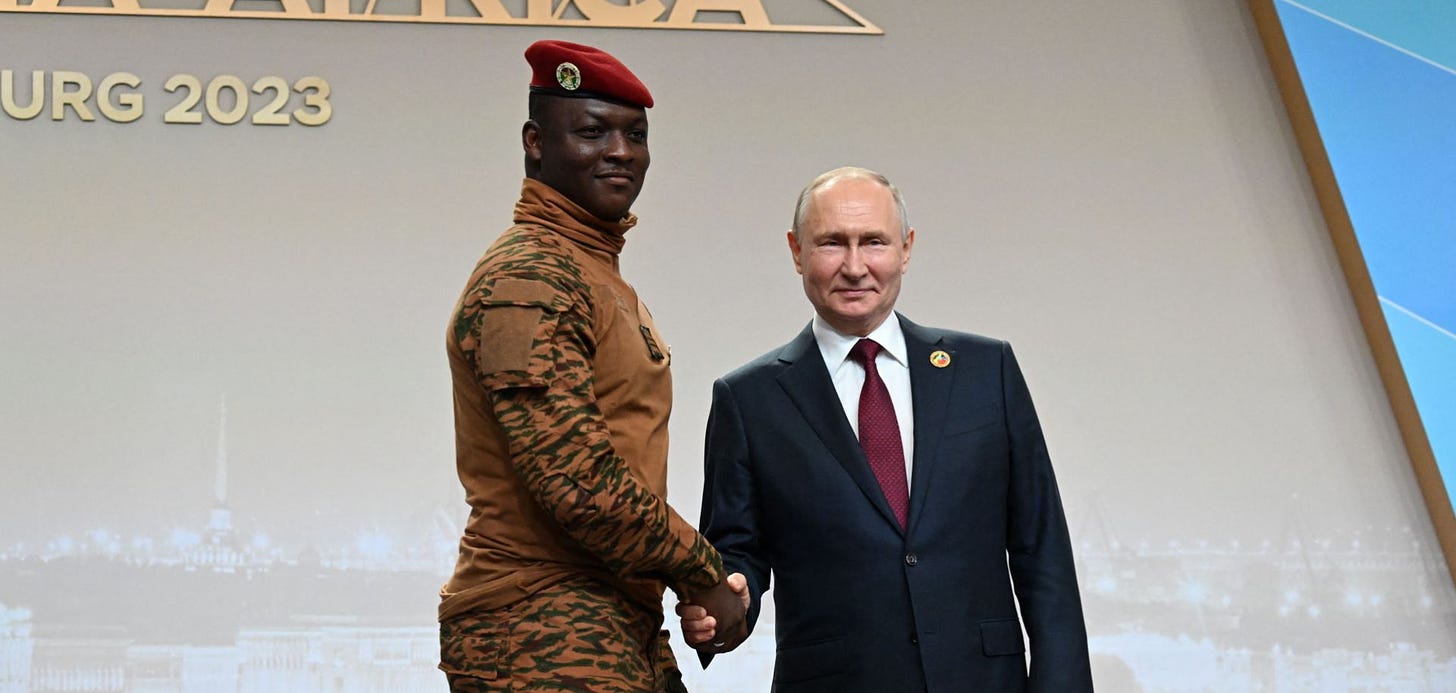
x,y
716,621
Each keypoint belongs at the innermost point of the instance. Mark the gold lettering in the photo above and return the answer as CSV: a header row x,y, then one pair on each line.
x,y
125,108
37,95
490,10
606,12
272,113
227,116
684,12
182,112
316,93
642,14
49,5
61,97
222,8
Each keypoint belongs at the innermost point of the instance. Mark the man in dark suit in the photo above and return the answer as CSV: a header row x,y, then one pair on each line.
x,y
893,479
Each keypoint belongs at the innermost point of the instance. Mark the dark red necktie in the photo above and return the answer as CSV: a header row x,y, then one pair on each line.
x,y
879,432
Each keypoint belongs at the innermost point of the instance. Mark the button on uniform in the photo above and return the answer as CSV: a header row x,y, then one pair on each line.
x,y
911,559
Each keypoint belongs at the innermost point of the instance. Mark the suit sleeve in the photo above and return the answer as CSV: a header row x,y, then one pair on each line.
x,y
1039,549
729,510
530,344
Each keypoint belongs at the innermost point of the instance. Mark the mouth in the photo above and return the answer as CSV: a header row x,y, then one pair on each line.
x,y
855,292
617,177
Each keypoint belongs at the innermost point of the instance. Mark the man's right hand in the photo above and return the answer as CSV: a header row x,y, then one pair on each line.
x,y
715,621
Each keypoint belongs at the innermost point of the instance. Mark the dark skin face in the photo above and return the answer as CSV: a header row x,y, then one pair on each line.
x,y
592,151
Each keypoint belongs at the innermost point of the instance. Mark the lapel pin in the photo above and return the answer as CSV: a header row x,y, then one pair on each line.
x,y
939,359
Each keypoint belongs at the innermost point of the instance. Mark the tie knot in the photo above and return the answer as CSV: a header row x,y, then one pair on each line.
x,y
865,351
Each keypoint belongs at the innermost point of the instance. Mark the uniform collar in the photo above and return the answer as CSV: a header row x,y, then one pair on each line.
x,y
542,204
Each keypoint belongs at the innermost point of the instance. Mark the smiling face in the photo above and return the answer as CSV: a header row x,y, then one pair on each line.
x,y
592,151
851,254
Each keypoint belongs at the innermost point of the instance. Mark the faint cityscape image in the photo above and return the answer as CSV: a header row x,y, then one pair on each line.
x,y
210,608
1294,612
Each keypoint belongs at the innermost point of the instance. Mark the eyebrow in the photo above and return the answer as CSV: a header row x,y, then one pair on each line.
x,y
868,234
606,112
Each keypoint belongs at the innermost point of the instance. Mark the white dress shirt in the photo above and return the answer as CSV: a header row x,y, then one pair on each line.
x,y
893,363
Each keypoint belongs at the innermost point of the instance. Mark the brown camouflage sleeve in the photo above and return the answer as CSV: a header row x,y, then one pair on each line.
x,y
530,342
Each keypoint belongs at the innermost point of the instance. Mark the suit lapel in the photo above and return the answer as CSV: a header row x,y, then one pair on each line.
x,y
806,381
930,391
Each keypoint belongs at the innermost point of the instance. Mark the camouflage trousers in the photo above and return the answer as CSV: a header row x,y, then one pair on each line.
x,y
578,635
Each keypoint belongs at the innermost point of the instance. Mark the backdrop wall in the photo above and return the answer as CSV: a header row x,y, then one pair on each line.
x,y
226,457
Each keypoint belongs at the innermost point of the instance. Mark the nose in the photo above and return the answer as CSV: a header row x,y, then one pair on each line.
x,y
617,148
854,266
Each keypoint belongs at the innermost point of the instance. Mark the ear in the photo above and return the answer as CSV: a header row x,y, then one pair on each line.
x,y
794,251
909,243
531,140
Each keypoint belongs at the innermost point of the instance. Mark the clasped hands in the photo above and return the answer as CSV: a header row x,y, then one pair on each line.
x,y
716,621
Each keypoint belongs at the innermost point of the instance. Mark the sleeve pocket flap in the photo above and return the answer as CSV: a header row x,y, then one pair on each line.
x,y
513,291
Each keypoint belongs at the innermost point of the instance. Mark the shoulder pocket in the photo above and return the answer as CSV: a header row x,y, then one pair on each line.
x,y
508,328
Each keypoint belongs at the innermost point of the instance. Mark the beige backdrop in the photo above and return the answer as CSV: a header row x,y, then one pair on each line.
x,y
1113,187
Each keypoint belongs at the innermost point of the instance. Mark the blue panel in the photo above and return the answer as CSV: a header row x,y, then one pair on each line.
x,y
1379,79
1388,122
1424,27
1429,358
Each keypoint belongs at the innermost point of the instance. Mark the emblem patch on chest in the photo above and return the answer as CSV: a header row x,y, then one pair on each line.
x,y
652,348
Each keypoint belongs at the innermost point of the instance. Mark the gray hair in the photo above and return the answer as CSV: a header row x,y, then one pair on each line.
x,y
829,178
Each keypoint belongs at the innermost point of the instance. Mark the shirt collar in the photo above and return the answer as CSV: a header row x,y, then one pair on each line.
x,y
835,345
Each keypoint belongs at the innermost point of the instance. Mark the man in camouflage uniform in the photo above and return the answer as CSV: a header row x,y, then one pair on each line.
x,y
562,393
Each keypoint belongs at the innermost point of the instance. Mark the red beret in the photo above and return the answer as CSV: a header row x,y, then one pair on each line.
x,y
571,69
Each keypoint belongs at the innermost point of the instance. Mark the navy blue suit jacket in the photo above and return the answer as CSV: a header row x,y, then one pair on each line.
x,y
862,604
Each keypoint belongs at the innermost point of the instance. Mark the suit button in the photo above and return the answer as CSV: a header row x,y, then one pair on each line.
x,y
911,559
914,640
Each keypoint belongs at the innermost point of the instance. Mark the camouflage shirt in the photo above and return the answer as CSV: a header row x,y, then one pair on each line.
x,y
562,392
